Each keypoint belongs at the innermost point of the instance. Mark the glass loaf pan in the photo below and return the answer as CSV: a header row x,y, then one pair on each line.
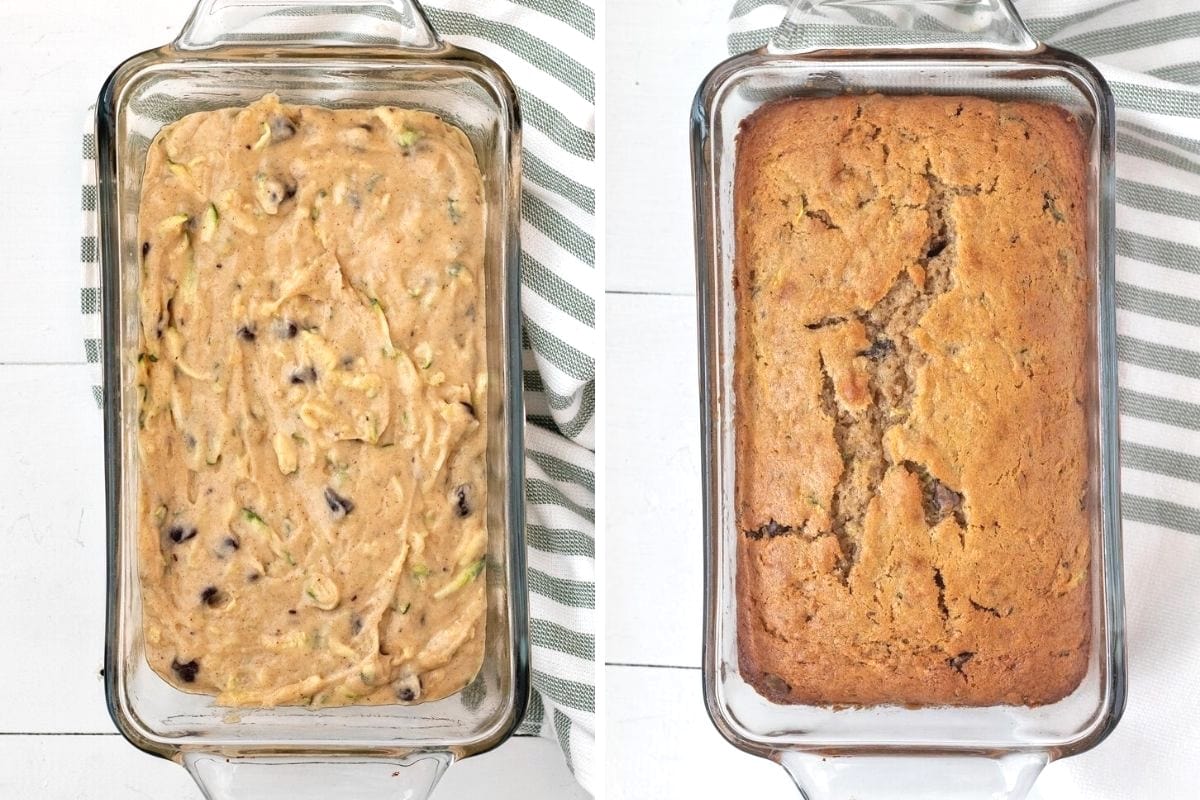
x,y
226,55
977,47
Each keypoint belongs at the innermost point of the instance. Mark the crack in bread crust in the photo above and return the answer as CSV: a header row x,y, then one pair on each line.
x,y
893,359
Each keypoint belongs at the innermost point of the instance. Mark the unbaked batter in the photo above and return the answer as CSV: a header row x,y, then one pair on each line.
x,y
313,406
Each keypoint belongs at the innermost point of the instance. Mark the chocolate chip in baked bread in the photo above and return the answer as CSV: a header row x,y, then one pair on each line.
x,y
879,349
770,530
946,499
939,500
775,686
960,660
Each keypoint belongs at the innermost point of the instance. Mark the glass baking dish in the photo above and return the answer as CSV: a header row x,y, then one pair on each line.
x,y
977,47
361,54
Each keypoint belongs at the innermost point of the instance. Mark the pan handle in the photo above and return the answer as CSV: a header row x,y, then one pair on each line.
x,y
307,23
811,25
906,777
302,777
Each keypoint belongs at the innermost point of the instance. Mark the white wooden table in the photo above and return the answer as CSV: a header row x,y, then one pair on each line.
x,y
56,740
661,744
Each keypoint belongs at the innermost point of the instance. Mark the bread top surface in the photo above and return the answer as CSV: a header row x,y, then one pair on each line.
x,y
912,286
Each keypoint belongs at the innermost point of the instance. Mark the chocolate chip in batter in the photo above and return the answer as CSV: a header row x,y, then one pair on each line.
x,y
246,333
186,672
464,506
303,375
282,128
286,329
338,505
408,689
253,577
212,596
181,533
356,625
145,249
470,408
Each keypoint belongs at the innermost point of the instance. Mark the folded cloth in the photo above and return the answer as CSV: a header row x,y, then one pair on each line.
x,y
548,50
1146,52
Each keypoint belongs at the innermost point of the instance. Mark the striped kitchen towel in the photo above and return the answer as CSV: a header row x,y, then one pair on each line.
x,y
548,49
1148,53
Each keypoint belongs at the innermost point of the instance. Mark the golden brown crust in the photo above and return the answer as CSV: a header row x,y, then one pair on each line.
x,y
912,295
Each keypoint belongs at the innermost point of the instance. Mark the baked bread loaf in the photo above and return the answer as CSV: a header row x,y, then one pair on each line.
x,y
912,292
